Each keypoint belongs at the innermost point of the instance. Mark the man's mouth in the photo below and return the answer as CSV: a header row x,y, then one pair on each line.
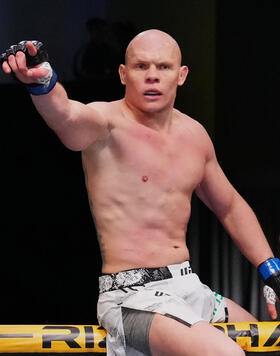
x,y
152,92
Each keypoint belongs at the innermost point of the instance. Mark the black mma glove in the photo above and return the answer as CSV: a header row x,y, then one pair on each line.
x,y
46,83
31,61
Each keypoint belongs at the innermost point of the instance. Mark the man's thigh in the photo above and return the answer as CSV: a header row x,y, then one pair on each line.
x,y
237,314
170,337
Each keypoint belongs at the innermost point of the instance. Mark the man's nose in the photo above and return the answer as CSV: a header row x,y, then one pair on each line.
x,y
152,75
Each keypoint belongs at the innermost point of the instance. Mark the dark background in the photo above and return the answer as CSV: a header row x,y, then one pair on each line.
x,y
50,259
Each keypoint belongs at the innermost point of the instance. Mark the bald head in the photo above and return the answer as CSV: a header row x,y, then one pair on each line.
x,y
156,40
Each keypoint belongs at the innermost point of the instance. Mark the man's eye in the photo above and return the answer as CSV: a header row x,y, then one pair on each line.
x,y
141,66
164,66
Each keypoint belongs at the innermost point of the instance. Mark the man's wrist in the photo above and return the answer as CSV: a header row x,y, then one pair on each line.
x,y
270,273
45,88
269,268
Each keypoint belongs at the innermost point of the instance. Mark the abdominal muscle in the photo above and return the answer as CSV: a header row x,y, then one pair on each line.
x,y
139,226
149,252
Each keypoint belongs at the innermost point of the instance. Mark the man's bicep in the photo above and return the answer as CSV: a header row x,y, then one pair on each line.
x,y
215,190
85,125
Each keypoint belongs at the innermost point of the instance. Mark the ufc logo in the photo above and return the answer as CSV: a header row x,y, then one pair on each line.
x,y
185,271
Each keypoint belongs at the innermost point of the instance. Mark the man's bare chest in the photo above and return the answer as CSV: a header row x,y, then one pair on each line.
x,y
172,159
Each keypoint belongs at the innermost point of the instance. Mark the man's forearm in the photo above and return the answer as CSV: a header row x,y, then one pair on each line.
x,y
245,230
54,107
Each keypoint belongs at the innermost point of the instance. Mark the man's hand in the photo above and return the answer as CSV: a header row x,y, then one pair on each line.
x,y
270,273
28,62
15,61
271,299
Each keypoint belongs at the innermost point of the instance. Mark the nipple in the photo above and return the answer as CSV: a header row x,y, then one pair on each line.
x,y
144,178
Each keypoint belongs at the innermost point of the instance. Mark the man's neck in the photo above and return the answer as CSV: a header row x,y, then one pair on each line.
x,y
159,120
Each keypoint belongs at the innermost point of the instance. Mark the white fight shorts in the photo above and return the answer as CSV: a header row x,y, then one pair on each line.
x,y
129,299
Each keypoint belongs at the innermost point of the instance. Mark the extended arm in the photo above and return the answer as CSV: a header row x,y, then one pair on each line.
x,y
76,124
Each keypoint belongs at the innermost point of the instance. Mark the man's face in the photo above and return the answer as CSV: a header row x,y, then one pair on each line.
x,y
152,73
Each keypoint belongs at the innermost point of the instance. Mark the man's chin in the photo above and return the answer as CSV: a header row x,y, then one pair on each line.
x,y
153,108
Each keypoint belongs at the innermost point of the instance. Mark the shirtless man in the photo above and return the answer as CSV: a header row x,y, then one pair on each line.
x,y
143,160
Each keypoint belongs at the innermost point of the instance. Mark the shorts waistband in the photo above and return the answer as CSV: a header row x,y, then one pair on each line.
x,y
141,276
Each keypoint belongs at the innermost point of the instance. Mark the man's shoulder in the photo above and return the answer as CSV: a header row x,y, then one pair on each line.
x,y
194,132
190,123
110,110
105,106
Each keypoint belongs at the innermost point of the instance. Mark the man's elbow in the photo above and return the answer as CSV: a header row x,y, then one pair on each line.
x,y
232,207
72,143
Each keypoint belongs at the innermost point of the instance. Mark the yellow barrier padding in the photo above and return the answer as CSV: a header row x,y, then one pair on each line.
x,y
52,338
253,337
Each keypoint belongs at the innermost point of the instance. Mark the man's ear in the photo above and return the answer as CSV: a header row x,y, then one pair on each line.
x,y
122,73
184,70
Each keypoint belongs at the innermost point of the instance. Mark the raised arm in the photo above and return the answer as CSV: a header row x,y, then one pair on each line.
x,y
77,125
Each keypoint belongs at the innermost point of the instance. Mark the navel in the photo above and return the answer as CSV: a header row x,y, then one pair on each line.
x,y
145,179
